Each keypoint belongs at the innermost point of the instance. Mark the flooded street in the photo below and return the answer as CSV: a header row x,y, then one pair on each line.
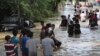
x,y
85,44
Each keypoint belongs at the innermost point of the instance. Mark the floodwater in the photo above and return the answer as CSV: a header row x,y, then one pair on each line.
x,y
85,44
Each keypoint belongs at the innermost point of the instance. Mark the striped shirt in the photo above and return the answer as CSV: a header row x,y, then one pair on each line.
x,y
9,49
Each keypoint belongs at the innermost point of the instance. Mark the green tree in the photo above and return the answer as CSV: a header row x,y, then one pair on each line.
x,y
7,7
30,9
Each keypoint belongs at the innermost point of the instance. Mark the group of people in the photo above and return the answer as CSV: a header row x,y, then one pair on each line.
x,y
80,14
72,25
29,45
93,17
24,41
48,31
11,44
84,13
48,40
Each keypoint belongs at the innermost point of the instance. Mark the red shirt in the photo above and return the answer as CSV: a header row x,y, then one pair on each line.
x,y
9,48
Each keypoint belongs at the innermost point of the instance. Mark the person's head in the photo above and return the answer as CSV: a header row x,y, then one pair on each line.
x,y
53,26
68,15
42,23
63,16
71,22
7,38
25,32
82,11
15,32
98,11
48,25
30,34
75,10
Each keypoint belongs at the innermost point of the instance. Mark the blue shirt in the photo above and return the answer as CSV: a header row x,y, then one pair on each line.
x,y
14,40
24,40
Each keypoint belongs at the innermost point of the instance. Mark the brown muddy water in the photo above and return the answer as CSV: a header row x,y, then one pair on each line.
x,y
85,44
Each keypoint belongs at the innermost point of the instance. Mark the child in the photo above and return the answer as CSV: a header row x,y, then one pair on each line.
x,y
9,47
15,40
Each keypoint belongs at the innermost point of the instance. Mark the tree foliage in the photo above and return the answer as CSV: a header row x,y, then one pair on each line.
x,y
7,8
30,9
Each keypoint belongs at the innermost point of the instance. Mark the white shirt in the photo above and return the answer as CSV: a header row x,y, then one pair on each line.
x,y
83,16
27,21
69,19
98,15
